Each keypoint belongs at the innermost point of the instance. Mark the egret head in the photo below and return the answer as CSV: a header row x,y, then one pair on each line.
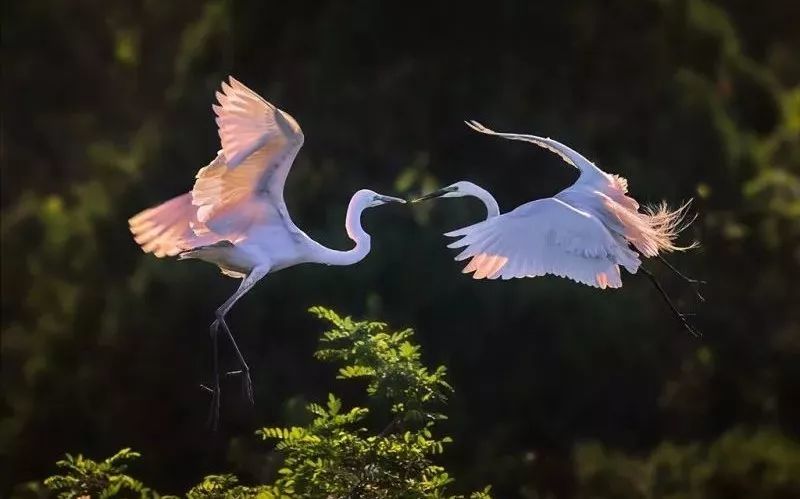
x,y
457,190
371,198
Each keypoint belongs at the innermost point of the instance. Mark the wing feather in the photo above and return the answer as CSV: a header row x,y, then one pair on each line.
x,y
649,232
546,236
166,229
243,185
566,153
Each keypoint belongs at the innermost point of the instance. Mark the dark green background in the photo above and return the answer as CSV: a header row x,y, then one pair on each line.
x,y
106,110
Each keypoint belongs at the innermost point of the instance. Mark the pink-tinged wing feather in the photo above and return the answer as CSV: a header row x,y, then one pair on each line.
x,y
546,236
166,229
243,185
246,122
617,190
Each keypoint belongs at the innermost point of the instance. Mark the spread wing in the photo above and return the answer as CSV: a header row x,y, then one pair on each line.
x,y
546,236
568,154
166,229
613,186
243,185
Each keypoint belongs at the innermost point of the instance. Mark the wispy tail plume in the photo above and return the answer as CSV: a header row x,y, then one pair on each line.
x,y
665,225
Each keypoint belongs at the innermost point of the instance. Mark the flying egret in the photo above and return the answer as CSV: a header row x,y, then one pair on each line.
x,y
584,233
235,216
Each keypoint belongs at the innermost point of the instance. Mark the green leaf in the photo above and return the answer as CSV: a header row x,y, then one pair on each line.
x,y
335,455
334,405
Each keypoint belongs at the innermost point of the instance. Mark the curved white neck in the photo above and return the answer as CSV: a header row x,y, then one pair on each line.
x,y
492,208
354,230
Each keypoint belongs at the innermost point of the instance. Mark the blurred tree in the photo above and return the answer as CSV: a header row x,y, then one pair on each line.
x,y
739,464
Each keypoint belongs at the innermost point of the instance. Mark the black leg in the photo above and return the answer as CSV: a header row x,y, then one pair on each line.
x,y
213,414
694,282
247,385
247,382
681,317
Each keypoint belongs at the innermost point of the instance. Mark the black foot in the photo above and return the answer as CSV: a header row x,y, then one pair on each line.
x,y
213,410
678,315
247,384
692,330
695,288
694,283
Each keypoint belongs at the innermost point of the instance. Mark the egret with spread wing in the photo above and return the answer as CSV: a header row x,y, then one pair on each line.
x,y
584,233
235,216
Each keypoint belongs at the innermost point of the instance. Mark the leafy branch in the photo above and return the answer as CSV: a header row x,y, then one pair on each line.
x,y
87,478
335,456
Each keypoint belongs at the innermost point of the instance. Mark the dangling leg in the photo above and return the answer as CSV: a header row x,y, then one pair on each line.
x,y
681,317
213,412
248,282
694,282
247,385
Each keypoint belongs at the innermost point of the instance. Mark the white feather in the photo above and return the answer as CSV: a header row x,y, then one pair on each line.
x,y
546,236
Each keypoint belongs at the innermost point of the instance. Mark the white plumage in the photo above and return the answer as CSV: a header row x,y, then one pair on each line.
x,y
584,233
235,215
546,236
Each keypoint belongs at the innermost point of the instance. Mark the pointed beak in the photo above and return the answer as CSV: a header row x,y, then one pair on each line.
x,y
390,199
432,195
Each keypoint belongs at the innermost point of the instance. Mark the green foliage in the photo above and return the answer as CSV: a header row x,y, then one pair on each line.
x,y
87,478
336,455
227,486
387,360
740,464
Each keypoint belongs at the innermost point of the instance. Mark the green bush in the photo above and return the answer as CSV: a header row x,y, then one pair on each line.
x,y
87,478
739,464
335,455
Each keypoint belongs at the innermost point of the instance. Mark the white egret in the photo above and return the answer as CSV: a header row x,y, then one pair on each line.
x,y
584,233
235,216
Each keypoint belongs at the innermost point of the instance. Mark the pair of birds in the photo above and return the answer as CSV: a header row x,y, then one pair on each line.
x,y
235,217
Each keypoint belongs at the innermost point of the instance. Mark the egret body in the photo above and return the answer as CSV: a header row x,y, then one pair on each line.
x,y
235,216
585,232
